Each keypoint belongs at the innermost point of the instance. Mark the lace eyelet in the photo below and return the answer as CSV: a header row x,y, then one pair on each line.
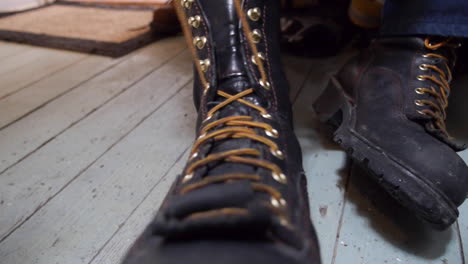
x,y
207,87
260,55
256,36
254,14
187,178
277,203
430,45
264,84
418,103
423,67
194,155
207,118
194,21
426,56
421,112
187,3
272,133
201,136
277,153
267,116
284,222
279,177
204,64
199,42
420,78
419,90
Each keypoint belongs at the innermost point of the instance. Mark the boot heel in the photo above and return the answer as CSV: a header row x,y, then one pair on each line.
x,y
330,103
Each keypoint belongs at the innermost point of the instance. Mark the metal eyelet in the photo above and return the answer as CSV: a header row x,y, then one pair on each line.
x,y
421,112
278,202
256,36
260,55
279,177
264,84
199,42
426,56
420,78
423,67
267,116
187,3
194,21
254,14
205,64
207,118
207,87
284,222
201,136
419,90
277,153
194,155
187,177
272,133
418,103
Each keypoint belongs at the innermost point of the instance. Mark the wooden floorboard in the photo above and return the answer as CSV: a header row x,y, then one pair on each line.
x,y
463,231
86,163
12,60
324,163
108,191
45,63
463,219
296,72
54,118
68,154
32,97
117,246
11,49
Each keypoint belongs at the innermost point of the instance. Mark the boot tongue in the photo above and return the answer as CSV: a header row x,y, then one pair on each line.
x,y
232,85
232,79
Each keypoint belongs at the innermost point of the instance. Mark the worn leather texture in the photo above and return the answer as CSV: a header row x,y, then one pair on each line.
x,y
381,85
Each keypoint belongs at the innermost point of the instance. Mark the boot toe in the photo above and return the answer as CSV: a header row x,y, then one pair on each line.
x,y
156,251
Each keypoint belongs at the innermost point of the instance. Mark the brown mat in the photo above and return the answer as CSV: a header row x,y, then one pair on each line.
x,y
106,31
122,2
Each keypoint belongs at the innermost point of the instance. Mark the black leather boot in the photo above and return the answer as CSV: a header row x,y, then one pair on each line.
x,y
242,196
389,105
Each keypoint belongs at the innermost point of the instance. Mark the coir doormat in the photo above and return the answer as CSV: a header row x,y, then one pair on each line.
x,y
106,31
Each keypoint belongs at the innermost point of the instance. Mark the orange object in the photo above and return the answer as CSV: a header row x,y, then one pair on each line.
x,y
366,13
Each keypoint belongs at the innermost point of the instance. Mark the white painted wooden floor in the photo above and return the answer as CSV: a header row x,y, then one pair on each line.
x,y
85,160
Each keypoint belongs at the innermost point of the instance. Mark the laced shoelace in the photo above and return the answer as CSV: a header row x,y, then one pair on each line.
x,y
437,109
236,127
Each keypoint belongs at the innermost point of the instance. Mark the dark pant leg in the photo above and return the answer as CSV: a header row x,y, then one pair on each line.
x,y
427,17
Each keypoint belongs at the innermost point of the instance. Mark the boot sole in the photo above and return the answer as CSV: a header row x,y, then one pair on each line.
x,y
412,191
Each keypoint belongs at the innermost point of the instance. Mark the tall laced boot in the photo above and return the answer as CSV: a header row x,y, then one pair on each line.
x,y
389,104
242,196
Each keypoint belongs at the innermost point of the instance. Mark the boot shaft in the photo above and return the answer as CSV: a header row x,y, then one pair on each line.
x,y
235,46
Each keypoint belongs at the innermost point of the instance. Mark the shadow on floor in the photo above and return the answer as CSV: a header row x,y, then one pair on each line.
x,y
392,221
457,116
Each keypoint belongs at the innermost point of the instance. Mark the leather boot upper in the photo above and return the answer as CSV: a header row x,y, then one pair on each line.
x,y
399,88
243,183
